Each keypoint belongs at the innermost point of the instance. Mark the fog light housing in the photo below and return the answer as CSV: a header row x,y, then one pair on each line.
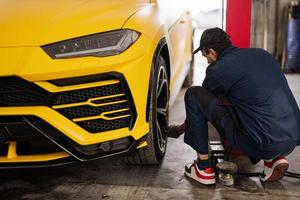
x,y
105,146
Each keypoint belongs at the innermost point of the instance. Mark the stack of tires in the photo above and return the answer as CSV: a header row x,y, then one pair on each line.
x,y
293,40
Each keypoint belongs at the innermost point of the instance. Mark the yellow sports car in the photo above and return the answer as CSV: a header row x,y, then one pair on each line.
x,y
84,79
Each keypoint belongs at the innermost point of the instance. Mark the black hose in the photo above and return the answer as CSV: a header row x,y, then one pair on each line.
x,y
292,174
256,174
248,174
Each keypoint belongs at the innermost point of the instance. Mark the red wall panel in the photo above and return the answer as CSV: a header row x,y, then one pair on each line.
x,y
238,22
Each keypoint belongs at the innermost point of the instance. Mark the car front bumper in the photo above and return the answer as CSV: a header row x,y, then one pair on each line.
x,y
70,107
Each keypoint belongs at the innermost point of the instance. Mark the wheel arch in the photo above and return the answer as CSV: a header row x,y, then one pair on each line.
x,y
161,50
157,34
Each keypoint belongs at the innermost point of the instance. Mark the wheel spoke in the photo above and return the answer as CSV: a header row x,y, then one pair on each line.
x,y
161,139
162,111
161,86
162,80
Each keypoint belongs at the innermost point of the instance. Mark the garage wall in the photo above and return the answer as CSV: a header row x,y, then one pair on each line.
x,y
268,28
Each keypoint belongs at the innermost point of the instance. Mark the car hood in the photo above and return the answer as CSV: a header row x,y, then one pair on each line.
x,y
36,22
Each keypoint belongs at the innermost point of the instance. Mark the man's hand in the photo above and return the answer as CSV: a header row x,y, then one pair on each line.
x,y
174,131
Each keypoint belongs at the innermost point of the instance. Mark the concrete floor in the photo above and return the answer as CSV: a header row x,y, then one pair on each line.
x,y
111,179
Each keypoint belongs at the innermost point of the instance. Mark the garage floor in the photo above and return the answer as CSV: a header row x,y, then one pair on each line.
x,y
110,179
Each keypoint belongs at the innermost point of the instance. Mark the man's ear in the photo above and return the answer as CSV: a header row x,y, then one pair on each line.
x,y
213,53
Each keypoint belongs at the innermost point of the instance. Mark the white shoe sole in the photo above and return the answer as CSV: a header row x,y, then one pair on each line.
x,y
276,172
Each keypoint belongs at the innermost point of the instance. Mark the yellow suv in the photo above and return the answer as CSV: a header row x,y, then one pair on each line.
x,y
84,79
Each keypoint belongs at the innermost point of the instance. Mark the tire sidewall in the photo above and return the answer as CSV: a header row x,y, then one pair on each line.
x,y
153,109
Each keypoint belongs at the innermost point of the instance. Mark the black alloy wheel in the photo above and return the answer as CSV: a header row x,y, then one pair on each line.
x,y
162,105
154,152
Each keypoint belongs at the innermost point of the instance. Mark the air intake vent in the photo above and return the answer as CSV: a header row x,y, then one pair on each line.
x,y
15,91
96,109
108,106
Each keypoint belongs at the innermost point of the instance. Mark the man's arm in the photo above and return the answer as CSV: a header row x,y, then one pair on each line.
x,y
214,80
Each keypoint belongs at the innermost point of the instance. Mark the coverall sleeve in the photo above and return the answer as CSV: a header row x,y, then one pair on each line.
x,y
217,80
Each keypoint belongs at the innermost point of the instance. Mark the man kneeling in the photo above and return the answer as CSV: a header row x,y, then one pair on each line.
x,y
246,97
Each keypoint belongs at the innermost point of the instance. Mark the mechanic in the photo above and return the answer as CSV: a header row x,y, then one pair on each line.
x,y
246,97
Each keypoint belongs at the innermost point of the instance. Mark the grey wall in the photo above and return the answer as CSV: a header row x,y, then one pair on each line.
x,y
268,29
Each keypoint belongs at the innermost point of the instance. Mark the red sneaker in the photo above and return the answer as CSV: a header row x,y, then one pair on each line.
x,y
206,176
275,169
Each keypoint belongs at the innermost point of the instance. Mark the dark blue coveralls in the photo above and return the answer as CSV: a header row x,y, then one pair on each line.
x,y
251,79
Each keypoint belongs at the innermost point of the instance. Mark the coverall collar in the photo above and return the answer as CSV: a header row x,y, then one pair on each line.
x,y
226,51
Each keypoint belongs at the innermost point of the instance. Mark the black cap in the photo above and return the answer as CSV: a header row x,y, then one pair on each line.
x,y
211,37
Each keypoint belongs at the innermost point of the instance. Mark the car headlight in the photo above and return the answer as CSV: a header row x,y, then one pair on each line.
x,y
102,44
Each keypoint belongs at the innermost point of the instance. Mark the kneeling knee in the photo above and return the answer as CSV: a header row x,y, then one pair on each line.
x,y
195,91
192,91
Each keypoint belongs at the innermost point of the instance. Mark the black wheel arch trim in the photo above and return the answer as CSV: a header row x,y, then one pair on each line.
x,y
158,51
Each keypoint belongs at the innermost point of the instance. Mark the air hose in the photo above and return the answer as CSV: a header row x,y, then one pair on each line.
x,y
256,174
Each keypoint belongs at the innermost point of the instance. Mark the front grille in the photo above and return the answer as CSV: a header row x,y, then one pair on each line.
x,y
85,94
103,125
86,111
96,109
110,112
119,98
15,91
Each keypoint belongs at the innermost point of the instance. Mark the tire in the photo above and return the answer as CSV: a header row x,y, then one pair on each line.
x,y
154,152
